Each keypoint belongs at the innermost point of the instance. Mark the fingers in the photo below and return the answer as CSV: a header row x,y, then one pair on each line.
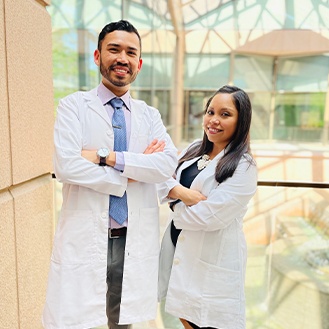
x,y
155,146
192,197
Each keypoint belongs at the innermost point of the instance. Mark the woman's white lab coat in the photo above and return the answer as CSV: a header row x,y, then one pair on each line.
x,y
76,295
206,285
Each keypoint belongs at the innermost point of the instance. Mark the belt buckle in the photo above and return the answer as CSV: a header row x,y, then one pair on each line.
x,y
110,235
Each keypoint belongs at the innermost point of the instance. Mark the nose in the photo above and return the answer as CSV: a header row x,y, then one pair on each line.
x,y
122,58
214,120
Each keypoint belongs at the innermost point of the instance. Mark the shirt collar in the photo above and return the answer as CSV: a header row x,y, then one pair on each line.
x,y
105,95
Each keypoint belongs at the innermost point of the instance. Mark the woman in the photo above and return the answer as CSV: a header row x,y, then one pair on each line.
x,y
215,180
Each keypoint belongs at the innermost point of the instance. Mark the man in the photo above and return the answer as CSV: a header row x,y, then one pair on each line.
x,y
104,269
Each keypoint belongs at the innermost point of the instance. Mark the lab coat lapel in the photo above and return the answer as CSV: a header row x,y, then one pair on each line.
x,y
95,104
184,165
205,181
137,113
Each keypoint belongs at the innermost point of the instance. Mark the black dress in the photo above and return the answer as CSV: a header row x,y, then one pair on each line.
x,y
186,179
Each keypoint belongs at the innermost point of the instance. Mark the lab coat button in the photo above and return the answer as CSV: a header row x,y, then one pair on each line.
x,y
176,261
104,214
181,238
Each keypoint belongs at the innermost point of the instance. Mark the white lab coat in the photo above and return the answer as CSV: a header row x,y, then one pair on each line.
x,y
76,295
206,285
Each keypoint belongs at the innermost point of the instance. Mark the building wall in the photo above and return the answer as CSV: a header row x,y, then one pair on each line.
x,y
26,186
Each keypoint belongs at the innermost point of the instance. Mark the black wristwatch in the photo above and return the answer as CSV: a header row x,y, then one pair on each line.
x,y
103,154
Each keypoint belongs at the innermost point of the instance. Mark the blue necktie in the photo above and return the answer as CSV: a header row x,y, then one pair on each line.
x,y
118,205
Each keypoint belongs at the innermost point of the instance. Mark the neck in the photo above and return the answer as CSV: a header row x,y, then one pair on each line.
x,y
215,151
117,91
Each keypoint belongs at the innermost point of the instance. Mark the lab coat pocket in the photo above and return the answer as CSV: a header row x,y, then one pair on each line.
x,y
149,237
216,286
74,238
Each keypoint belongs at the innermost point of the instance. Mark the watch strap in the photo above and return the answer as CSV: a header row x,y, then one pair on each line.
x,y
102,161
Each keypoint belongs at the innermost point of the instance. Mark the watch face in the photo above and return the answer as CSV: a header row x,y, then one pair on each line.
x,y
103,152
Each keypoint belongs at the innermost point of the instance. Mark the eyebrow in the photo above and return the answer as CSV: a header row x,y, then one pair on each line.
x,y
222,108
118,45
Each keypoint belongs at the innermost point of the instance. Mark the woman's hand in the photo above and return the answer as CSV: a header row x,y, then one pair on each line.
x,y
186,195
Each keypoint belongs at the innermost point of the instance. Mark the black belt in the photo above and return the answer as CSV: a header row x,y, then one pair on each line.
x,y
115,233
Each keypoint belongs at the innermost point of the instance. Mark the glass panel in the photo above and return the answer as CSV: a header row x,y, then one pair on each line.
x,y
260,123
299,117
304,74
194,114
155,72
253,73
158,99
287,281
205,71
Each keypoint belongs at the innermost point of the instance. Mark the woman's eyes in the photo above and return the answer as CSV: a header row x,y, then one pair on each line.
x,y
223,114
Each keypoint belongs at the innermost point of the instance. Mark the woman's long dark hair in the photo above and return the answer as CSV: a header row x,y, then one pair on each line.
x,y
240,142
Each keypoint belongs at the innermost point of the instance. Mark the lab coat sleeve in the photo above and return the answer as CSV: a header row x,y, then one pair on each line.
x,y
70,167
165,187
156,167
224,203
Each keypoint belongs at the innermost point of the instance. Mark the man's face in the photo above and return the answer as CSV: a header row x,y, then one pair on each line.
x,y
119,60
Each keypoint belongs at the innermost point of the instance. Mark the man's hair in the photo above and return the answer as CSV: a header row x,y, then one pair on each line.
x,y
121,25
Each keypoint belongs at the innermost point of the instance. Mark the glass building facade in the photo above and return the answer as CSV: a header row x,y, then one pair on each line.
x,y
277,50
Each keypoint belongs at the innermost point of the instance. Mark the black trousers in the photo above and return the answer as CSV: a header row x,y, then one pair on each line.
x,y
115,260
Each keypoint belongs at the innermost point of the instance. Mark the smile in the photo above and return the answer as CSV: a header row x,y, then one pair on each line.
x,y
120,69
214,130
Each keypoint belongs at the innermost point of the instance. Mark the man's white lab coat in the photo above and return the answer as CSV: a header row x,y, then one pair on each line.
x,y
76,295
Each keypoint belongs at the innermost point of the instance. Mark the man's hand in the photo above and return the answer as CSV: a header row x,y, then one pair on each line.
x,y
91,155
155,146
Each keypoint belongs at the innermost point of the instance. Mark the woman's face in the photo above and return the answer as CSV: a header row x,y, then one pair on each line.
x,y
220,120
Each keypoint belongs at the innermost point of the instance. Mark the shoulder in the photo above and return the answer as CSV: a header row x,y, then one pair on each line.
x,y
142,104
193,144
249,158
248,164
79,95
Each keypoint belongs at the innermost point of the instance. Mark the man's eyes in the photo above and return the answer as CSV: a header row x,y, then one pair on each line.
x,y
132,53
117,50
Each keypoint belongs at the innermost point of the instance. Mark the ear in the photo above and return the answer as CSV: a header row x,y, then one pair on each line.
x,y
97,56
140,64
